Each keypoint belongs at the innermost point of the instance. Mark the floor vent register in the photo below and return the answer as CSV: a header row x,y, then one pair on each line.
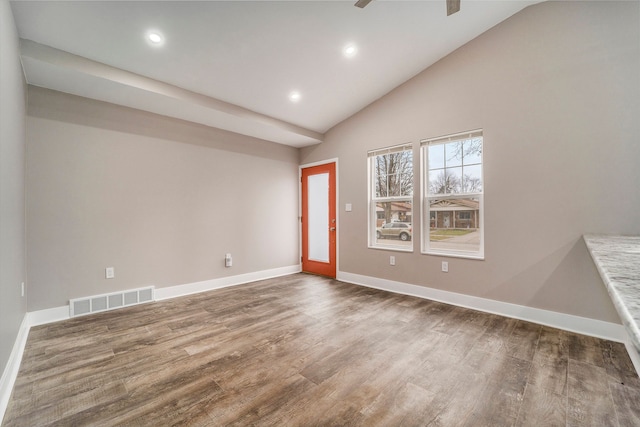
x,y
112,301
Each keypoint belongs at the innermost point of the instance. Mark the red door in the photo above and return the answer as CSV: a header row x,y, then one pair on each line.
x,y
319,228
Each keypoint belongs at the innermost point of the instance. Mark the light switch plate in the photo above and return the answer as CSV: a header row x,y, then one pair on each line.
x,y
109,272
347,207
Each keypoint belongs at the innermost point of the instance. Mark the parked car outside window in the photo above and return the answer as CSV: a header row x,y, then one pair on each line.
x,y
394,230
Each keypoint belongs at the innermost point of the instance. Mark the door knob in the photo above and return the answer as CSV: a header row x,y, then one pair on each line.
x,y
332,229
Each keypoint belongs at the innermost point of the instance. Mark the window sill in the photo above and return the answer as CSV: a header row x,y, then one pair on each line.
x,y
477,257
392,248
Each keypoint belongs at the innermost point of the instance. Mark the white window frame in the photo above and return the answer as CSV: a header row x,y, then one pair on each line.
x,y
373,199
425,197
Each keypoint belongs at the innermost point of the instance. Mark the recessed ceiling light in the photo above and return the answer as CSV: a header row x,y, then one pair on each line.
x,y
350,50
295,96
155,38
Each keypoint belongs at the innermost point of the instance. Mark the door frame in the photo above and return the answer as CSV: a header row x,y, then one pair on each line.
x,y
309,165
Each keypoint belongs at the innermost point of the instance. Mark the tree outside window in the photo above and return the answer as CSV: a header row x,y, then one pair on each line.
x,y
391,197
453,195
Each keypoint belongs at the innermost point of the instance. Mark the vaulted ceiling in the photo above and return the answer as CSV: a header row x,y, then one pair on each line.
x,y
235,64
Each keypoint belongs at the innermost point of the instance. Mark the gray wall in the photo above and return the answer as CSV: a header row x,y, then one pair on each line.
x,y
158,199
556,90
12,147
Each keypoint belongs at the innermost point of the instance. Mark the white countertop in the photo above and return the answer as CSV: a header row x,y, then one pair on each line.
x,y
618,261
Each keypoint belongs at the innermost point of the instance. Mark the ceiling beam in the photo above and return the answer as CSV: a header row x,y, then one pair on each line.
x,y
60,58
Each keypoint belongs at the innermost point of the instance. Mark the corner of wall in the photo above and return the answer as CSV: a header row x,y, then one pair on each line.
x,y
12,201
12,367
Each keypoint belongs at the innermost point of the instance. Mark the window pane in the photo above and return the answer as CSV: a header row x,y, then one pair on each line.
x,y
380,175
436,156
454,224
394,174
472,151
472,179
389,214
453,153
454,180
391,197
445,181
437,182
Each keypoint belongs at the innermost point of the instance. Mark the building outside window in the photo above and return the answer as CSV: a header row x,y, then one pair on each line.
x,y
391,198
452,195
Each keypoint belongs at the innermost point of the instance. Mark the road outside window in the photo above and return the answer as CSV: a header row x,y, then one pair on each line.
x,y
453,195
391,198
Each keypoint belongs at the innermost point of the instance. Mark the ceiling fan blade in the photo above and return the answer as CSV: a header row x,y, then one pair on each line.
x,y
453,6
362,3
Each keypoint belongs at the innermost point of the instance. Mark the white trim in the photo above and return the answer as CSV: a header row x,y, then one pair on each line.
x,y
581,325
33,318
425,210
567,322
10,372
460,136
370,211
455,254
634,354
407,146
425,215
223,282
55,314
318,163
372,214
50,315
396,248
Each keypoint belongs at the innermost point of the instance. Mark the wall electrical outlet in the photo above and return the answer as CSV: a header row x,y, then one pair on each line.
x,y
445,266
228,261
22,289
109,273
392,260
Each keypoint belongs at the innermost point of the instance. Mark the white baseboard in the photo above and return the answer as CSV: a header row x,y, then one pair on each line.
x,y
49,315
567,322
633,354
223,282
581,325
55,314
10,372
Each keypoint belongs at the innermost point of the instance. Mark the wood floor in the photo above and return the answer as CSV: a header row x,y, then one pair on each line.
x,y
308,351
